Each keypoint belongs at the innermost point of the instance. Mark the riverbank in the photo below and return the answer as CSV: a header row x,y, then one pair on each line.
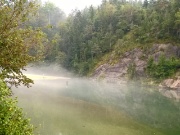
x,y
171,88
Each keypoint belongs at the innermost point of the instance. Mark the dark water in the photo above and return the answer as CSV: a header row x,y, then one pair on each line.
x,y
85,107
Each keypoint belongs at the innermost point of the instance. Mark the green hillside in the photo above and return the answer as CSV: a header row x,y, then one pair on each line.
x,y
86,38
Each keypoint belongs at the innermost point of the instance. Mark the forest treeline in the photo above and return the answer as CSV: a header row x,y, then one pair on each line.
x,y
80,40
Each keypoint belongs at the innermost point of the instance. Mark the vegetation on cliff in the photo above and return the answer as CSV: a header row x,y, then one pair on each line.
x,y
87,37
164,68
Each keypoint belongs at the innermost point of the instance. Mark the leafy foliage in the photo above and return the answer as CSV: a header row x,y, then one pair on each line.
x,y
163,68
47,19
19,44
12,120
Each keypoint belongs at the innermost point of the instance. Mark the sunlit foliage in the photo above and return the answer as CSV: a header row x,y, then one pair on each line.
x,y
12,120
19,43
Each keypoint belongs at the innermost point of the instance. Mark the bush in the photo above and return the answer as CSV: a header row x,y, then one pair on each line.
x,y
12,120
163,68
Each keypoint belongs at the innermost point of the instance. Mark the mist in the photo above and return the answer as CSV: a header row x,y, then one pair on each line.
x,y
60,103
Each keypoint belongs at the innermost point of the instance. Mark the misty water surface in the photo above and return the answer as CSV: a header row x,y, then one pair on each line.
x,y
86,107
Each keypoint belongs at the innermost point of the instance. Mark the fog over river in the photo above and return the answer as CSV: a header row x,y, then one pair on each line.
x,y
60,104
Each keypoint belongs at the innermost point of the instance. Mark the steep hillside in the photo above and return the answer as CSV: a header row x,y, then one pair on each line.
x,y
137,63
117,39
114,28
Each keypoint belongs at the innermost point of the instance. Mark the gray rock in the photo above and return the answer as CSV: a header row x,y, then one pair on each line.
x,y
167,83
139,59
175,85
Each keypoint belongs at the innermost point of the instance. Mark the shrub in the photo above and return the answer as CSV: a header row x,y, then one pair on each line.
x,y
12,120
163,68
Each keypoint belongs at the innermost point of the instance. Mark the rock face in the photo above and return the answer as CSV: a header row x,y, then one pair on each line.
x,y
120,69
137,59
171,83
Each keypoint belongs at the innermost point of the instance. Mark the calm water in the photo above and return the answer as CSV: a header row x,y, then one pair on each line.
x,y
85,107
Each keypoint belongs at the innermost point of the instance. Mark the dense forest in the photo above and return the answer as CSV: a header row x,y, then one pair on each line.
x,y
78,42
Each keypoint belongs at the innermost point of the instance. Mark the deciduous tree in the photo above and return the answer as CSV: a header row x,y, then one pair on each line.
x,y
19,43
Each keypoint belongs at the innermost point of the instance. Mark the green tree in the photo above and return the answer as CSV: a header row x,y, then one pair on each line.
x,y
19,44
16,40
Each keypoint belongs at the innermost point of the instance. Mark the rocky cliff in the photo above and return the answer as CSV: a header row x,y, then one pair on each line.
x,y
136,60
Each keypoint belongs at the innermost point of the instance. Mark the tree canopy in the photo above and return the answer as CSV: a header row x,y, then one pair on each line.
x,y
19,43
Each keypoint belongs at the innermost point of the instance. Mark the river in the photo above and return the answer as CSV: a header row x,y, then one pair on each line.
x,y
71,106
